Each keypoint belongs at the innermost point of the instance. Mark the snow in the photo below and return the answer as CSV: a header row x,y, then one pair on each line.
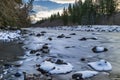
x,y
9,35
91,28
56,68
87,73
47,66
99,49
101,65
60,69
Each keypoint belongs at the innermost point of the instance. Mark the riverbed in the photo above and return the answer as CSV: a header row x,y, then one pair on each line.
x,y
69,49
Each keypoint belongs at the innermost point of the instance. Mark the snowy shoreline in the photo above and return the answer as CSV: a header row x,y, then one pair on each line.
x,y
88,28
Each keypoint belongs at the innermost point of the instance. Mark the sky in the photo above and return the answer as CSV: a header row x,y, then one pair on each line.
x,y
44,8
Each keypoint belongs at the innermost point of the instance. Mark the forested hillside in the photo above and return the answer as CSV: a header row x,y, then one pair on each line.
x,y
86,13
14,13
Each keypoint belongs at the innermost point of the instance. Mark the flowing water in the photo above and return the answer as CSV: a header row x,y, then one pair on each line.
x,y
10,51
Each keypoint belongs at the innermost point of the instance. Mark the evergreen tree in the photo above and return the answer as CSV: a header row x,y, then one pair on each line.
x,y
87,12
65,17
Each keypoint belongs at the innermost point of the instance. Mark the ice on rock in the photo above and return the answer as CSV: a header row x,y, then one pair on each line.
x,y
101,65
85,74
56,68
47,66
99,49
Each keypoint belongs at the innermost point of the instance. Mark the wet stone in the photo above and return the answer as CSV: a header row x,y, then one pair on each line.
x,y
7,66
83,39
61,36
93,38
73,34
17,74
50,39
45,50
77,76
38,54
31,34
41,70
38,35
33,51
37,65
45,47
67,47
60,62
82,59
68,37
43,32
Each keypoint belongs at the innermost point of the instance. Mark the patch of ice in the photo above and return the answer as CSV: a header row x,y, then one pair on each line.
x,y
87,74
101,65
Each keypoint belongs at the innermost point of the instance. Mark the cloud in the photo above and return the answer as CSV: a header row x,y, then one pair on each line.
x,y
63,1
39,8
60,1
44,14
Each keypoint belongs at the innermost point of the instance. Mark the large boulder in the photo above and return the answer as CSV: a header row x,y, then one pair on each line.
x,y
57,67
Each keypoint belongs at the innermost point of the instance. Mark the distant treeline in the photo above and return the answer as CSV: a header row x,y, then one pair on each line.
x,y
85,13
14,13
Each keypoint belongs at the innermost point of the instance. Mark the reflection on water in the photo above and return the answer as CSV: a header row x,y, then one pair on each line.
x,y
9,51
112,42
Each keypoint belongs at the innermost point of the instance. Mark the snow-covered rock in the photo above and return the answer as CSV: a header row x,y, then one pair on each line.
x,y
47,65
56,68
62,69
101,65
84,74
99,49
45,49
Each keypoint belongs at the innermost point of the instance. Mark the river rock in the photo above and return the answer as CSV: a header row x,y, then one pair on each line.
x,y
73,34
81,75
83,39
50,39
38,35
59,61
43,32
17,74
61,36
45,49
98,49
77,76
